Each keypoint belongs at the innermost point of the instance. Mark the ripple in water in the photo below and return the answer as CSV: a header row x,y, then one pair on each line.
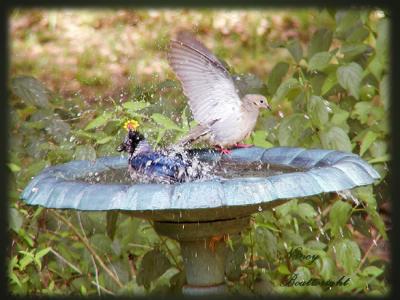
x,y
224,169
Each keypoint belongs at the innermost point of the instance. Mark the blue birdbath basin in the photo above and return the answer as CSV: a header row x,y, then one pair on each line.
x,y
245,182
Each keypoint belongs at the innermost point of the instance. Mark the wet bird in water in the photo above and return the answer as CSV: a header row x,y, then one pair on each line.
x,y
146,164
225,119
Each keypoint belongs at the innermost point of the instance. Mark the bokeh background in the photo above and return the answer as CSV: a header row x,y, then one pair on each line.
x,y
325,72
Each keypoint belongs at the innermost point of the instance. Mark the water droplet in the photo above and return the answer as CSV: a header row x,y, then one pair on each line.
x,y
35,190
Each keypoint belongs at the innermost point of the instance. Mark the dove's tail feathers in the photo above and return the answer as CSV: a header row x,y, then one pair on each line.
x,y
194,134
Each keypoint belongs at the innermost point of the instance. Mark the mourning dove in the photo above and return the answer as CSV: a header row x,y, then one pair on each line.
x,y
224,118
145,164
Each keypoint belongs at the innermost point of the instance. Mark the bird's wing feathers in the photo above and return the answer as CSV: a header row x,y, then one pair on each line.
x,y
205,80
196,132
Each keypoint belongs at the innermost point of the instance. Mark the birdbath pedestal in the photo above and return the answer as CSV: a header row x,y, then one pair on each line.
x,y
204,263
194,212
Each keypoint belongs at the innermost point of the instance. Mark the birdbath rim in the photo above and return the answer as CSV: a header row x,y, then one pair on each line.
x,y
215,199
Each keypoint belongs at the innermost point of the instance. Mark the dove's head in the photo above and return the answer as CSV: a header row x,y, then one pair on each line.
x,y
256,101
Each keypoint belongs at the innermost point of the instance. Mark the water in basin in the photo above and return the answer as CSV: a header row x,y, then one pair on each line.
x,y
223,169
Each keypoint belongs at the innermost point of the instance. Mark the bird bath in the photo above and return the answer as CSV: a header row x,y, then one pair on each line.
x,y
255,179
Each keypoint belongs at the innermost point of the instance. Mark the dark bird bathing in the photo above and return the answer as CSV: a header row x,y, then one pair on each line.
x,y
247,181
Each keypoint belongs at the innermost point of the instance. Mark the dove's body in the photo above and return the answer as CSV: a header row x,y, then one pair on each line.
x,y
235,127
224,118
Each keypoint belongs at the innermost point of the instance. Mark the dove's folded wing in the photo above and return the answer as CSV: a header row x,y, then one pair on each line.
x,y
205,80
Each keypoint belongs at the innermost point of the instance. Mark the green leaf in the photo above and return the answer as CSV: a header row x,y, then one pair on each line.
x,y
327,268
248,84
112,218
258,138
284,89
102,243
295,49
350,51
338,216
84,152
104,140
58,128
30,90
362,111
25,236
376,67
166,122
372,271
14,167
292,130
346,21
382,41
349,77
367,141
266,243
14,278
276,76
320,41
99,121
336,139
283,269
378,148
329,83
380,159
234,259
378,222
133,106
35,168
16,219
358,34
340,117
154,264
319,61
306,212
39,254
348,255
26,260
318,109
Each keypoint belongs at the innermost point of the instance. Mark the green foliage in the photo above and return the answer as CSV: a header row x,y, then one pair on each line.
x,y
333,95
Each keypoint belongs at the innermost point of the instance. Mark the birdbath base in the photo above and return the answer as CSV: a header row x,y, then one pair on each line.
x,y
203,255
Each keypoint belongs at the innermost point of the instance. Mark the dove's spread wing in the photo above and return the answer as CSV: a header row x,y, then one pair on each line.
x,y
205,80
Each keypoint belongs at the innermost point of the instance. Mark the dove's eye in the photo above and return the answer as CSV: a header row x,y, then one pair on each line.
x,y
261,101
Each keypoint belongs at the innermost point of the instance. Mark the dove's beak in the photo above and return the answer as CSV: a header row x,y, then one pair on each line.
x,y
267,106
